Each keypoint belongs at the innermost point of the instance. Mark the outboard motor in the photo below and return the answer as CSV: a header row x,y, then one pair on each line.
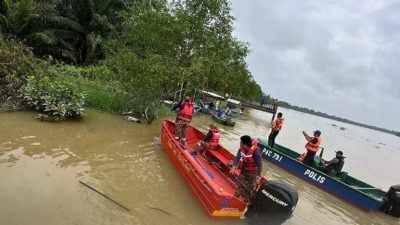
x,y
392,205
274,202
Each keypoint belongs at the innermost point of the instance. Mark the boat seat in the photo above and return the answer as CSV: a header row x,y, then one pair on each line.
x,y
217,154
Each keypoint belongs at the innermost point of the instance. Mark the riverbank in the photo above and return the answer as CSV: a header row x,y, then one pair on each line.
x,y
324,115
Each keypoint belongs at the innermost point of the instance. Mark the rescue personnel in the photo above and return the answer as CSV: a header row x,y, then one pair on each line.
x,y
312,146
183,118
276,126
211,141
248,160
334,165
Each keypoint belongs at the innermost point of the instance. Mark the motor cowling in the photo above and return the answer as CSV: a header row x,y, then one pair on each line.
x,y
275,200
392,205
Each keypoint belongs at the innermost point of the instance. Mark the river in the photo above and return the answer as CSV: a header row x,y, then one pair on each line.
x,y
41,164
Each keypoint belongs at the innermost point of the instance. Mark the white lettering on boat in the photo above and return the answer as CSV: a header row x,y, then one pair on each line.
x,y
275,199
273,155
315,176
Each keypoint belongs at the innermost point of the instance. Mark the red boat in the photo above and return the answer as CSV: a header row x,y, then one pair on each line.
x,y
209,178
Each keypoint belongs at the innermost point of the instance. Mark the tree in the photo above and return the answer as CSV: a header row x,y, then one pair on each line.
x,y
69,30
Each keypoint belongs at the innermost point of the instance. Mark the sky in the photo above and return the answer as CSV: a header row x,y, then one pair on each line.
x,y
340,57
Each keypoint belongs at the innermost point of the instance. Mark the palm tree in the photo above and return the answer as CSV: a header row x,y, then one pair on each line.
x,y
69,30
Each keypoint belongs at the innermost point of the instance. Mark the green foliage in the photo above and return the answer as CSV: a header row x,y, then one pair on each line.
x,y
194,39
152,46
71,31
100,85
165,111
16,63
54,96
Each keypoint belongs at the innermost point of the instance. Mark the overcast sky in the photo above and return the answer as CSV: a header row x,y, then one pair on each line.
x,y
341,57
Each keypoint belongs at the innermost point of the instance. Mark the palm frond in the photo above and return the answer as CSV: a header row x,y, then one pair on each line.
x,y
5,26
100,24
92,42
3,8
59,22
83,10
67,35
41,38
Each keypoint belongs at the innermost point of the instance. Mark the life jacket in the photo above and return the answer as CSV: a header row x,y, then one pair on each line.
x,y
313,147
338,166
247,160
186,112
254,142
216,135
277,124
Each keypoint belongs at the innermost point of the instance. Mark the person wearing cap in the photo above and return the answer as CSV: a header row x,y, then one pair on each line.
x,y
335,165
276,126
183,118
211,141
312,146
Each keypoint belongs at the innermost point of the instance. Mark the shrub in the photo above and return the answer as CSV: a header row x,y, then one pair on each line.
x,y
16,63
57,98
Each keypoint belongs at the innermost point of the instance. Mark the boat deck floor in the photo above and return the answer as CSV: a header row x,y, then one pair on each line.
x,y
216,170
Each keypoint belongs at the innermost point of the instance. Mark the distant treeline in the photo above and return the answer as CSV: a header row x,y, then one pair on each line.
x,y
321,114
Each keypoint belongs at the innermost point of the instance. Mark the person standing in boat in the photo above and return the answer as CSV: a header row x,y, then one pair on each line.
x,y
312,146
334,165
248,159
211,141
183,119
276,126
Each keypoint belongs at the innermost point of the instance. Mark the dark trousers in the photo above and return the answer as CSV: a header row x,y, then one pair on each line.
x,y
245,184
309,158
271,138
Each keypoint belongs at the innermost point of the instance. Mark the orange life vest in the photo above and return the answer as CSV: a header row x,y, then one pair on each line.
x,y
254,142
216,135
186,112
313,147
277,124
247,160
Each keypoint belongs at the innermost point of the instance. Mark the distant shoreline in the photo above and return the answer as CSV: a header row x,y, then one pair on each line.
x,y
324,115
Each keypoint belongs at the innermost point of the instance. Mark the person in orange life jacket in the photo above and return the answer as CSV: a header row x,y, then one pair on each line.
x,y
335,165
248,159
211,141
312,146
183,118
276,126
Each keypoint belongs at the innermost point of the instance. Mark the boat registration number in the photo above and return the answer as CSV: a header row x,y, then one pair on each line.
x,y
273,155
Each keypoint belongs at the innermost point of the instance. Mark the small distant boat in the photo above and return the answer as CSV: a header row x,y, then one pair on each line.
x,y
224,121
211,183
206,110
342,185
236,112
168,103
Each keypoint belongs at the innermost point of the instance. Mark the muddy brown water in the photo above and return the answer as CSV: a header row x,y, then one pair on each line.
x,y
41,164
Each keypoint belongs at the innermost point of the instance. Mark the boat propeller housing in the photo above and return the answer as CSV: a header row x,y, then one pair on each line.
x,y
275,200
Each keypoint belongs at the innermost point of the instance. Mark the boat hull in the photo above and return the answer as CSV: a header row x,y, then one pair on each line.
x,y
333,185
223,121
213,190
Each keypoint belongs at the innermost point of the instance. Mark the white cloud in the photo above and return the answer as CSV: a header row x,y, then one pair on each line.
x,y
338,57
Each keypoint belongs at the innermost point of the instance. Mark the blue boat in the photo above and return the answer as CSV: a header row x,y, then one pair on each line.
x,y
342,185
